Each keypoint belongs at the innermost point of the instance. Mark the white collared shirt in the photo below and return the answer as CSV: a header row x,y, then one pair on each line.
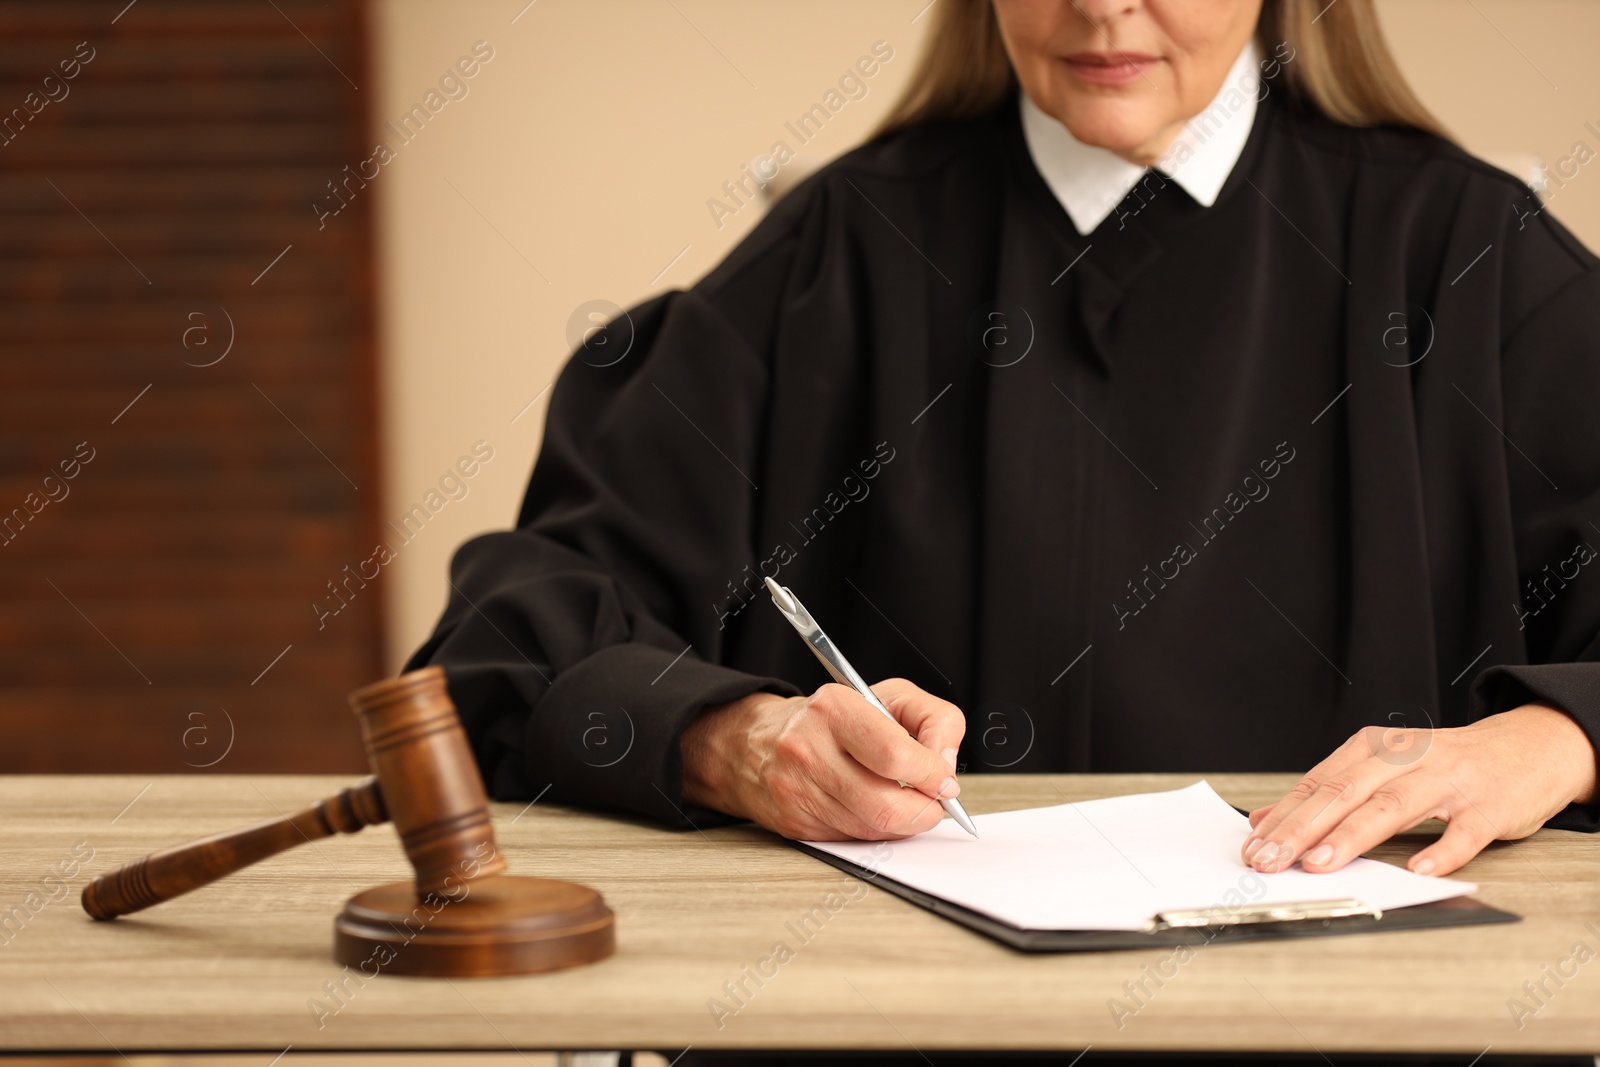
x,y
1090,182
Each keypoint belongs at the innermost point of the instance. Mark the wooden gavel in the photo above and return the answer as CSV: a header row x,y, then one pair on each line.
x,y
426,783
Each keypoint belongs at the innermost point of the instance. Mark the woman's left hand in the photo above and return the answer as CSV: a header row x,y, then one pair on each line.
x,y
1497,779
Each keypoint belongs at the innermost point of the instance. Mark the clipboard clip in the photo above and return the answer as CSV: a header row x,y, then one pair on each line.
x,y
1308,911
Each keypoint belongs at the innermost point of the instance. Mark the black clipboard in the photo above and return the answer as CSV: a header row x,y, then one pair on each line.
x,y
1456,911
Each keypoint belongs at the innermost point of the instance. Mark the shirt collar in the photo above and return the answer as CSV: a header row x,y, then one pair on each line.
x,y
1090,182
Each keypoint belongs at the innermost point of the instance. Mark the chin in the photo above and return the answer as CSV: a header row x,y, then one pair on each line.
x,y
1115,125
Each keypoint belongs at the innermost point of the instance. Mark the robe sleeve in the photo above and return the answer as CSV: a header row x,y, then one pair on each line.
x,y
579,646
1551,400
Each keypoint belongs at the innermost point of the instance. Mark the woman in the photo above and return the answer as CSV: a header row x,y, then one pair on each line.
x,y
1159,390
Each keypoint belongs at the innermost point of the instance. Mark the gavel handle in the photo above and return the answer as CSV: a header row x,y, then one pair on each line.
x,y
175,871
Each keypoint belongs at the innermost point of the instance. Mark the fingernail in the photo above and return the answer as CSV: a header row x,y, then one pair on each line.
x,y
949,788
1250,847
949,755
1423,866
1319,855
1263,859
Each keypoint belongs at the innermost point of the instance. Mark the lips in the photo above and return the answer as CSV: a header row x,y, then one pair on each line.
x,y
1110,68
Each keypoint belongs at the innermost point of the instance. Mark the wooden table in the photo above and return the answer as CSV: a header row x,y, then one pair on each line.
x,y
245,964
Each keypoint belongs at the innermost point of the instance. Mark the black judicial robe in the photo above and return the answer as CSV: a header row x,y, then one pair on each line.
x,y
1205,490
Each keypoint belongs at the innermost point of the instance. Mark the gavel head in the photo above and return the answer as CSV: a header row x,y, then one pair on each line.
x,y
430,783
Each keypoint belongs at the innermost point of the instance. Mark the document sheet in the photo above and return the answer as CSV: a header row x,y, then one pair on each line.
x,y
1113,864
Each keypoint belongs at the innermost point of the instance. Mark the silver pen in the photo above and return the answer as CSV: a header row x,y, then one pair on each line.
x,y
839,667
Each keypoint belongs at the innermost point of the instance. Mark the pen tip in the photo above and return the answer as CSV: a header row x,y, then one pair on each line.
x,y
954,809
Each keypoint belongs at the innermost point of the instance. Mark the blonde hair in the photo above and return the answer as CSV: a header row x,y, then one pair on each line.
x,y
1341,65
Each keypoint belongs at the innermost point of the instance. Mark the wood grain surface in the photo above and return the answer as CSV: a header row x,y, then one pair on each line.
x,y
244,964
225,398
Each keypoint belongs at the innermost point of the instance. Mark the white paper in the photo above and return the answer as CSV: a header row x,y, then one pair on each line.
x,y
1112,864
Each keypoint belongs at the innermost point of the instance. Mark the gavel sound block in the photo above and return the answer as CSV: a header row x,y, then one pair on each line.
x,y
462,916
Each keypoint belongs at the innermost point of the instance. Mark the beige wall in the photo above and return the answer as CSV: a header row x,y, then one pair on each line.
x,y
1510,78
579,163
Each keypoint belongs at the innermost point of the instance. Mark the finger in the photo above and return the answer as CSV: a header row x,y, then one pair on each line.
x,y
936,724
806,780
1311,790
1259,814
839,823
882,745
1465,835
1393,808
874,807
1328,801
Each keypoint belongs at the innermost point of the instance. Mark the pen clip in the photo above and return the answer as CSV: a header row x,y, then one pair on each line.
x,y
784,599
821,645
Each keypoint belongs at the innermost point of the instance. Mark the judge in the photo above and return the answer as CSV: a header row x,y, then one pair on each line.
x,y
1159,390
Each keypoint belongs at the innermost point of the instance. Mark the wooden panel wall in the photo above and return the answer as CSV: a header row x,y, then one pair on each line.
x,y
187,440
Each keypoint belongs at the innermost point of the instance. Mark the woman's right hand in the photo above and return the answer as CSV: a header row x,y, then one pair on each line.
x,y
826,767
